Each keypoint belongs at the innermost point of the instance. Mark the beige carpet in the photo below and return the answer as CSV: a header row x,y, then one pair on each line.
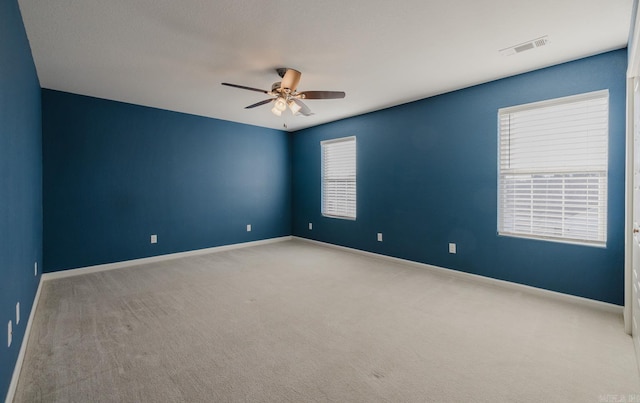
x,y
295,322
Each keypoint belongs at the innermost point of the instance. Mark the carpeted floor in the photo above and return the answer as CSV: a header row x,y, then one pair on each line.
x,y
296,322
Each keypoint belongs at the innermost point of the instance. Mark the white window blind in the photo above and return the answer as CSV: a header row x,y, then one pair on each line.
x,y
339,178
553,169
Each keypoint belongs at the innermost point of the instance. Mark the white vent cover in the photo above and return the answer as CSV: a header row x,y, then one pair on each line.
x,y
532,44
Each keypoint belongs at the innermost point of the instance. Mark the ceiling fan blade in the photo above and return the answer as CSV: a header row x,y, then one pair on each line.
x,y
321,94
304,109
266,101
245,88
290,80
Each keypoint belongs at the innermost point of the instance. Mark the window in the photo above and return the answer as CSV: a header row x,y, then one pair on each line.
x,y
339,178
553,169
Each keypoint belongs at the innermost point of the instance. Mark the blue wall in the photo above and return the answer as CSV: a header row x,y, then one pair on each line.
x,y
115,173
427,176
20,183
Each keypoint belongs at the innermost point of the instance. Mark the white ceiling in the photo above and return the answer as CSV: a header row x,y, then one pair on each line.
x,y
173,54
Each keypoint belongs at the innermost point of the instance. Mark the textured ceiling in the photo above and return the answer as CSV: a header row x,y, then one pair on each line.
x,y
174,54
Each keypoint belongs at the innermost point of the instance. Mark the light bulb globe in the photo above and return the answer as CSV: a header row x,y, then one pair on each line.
x,y
295,108
280,105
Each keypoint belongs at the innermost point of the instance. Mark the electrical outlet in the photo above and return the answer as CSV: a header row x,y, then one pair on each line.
x,y
154,238
17,312
310,226
35,268
9,334
379,236
452,248
248,227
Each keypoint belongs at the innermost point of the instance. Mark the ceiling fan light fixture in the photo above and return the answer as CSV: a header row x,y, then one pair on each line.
x,y
295,108
285,94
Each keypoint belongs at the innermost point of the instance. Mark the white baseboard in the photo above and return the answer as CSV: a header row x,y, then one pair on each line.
x,y
23,347
590,303
160,258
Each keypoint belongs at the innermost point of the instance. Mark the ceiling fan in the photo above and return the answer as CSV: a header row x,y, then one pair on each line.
x,y
285,94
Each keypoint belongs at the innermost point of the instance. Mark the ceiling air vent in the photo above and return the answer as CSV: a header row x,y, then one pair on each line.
x,y
532,44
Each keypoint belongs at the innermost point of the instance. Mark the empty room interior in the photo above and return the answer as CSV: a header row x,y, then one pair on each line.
x,y
319,201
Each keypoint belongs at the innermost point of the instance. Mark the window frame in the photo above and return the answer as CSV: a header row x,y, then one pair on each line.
x,y
323,201
600,173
